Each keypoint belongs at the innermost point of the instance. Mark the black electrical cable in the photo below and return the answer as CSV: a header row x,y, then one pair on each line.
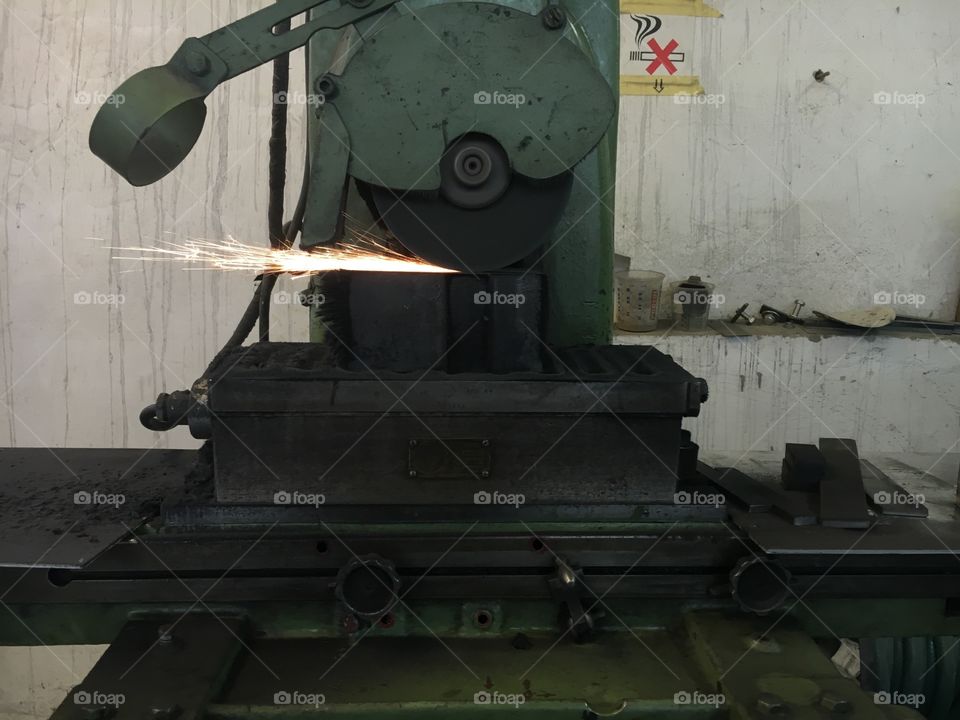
x,y
278,145
247,322
269,281
281,236
255,309
249,319
278,176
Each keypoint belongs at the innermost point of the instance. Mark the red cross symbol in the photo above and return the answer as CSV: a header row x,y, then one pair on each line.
x,y
662,56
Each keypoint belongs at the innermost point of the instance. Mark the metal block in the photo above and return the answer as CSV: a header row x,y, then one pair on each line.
x,y
288,426
842,501
803,468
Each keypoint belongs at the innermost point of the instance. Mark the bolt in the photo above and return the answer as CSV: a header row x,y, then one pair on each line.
x,y
798,305
832,702
326,86
821,75
772,705
165,634
412,473
553,17
484,473
770,317
484,443
198,63
741,312
567,576
413,443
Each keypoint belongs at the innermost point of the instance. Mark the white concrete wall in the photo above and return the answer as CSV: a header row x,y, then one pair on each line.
x,y
796,189
75,374
890,394
35,680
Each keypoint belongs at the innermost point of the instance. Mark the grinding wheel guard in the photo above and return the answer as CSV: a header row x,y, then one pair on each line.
x,y
444,71
411,89
465,119
465,123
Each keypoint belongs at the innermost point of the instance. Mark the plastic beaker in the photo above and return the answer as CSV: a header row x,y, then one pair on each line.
x,y
638,299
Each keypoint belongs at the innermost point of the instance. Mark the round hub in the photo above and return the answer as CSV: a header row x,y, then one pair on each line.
x,y
368,586
474,172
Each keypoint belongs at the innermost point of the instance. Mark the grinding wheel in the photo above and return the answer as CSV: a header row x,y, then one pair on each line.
x,y
484,217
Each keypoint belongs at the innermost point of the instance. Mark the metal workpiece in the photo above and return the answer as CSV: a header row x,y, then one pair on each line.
x,y
456,323
843,501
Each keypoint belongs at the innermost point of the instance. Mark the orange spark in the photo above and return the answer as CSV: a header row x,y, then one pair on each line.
x,y
231,254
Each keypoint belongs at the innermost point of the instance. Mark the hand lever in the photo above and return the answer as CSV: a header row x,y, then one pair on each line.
x,y
152,121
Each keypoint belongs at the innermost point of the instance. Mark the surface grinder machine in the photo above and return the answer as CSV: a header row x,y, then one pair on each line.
x,y
459,499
